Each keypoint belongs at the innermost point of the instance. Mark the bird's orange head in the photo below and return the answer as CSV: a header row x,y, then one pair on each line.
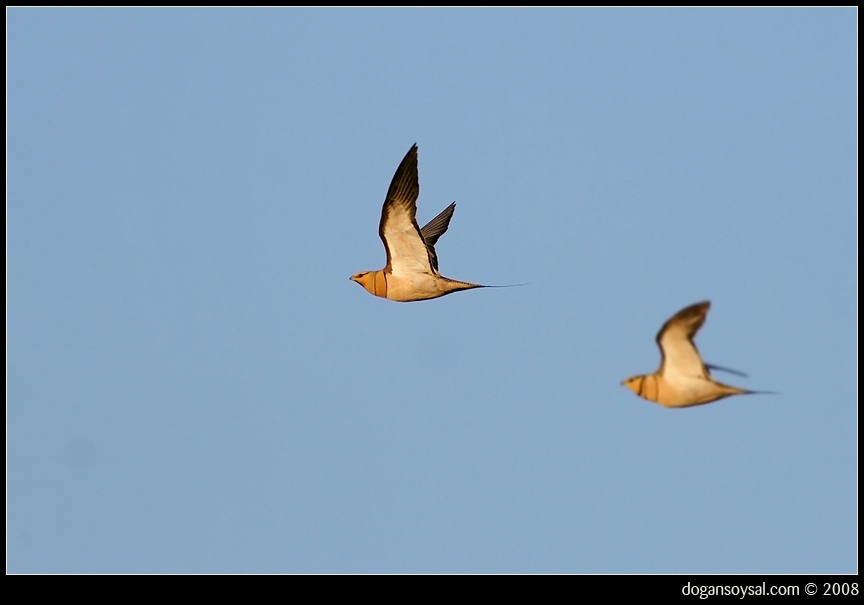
x,y
634,383
374,282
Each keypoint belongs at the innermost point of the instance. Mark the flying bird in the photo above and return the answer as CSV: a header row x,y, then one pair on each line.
x,y
683,378
412,265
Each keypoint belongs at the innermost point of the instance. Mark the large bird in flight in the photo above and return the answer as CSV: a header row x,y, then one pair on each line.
x,y
412,265
683,378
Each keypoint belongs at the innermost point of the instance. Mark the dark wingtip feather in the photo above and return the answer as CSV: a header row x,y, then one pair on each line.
x,y
405,186
711,366
438,226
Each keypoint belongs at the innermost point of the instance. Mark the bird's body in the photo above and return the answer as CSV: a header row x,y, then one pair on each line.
x,y
411,287
683,378
411,272
680,391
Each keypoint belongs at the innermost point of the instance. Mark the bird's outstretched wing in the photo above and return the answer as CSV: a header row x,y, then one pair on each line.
x,y
435,229
407,252
675,340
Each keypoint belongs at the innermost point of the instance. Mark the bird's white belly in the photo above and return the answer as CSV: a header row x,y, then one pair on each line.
x,y
684,390
417,286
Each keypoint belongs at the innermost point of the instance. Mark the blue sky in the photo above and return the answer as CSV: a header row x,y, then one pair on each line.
x,y
194,385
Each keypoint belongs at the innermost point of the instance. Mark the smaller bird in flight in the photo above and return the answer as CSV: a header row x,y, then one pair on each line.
x,y
683,378
412,265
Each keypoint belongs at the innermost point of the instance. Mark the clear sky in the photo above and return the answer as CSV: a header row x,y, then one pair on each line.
x,y
194,385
